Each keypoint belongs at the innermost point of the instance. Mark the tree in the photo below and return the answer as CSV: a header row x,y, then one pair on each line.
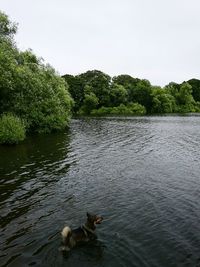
x,y
184,96
76,89
7,28
118,95
172,88
162,101
195,88
90,102
30,89
126,80
141,94
100,84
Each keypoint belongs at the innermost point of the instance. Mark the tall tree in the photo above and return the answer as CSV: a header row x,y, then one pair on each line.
x,y
100,84
142,94
162,101
76,89
118,95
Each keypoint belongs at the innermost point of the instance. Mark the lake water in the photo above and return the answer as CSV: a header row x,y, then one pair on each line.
x,y
141,174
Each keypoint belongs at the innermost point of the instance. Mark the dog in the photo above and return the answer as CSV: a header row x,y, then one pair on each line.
x,y
85,233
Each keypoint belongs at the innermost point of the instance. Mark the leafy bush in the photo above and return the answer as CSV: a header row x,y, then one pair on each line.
x,y
89,103
12,129
197,106
189,108
103,111
136,109
130,110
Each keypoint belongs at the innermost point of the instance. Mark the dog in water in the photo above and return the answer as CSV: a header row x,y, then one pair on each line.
x,y
85,233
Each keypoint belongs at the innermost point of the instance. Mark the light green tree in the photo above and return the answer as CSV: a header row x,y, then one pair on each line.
x,y
162,101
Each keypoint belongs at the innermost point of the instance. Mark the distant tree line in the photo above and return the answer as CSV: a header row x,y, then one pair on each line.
x,y
96,93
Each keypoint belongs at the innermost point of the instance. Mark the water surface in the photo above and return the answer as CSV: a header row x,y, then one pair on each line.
x,y
142,174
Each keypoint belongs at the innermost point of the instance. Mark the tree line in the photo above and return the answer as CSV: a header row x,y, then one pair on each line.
x,y
96,93
35,98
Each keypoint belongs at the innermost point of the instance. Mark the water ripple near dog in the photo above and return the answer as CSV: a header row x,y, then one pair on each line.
x,y
141,174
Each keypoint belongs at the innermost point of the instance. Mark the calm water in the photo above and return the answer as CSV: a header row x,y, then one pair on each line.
x,y
141,174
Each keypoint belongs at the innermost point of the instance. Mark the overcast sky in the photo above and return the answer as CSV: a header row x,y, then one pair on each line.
x,y
154,39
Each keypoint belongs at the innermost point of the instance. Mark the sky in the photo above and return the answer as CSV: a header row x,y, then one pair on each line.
x,y
158,40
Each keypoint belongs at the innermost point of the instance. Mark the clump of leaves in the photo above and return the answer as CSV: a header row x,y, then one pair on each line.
x,y
12,129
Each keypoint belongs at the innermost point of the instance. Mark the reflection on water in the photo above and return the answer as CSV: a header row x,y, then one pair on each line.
x,y
142,174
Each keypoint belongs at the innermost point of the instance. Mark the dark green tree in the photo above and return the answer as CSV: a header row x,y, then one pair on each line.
x,y
76,89
90,102
100,84
126,80
118,95
141,94
195,83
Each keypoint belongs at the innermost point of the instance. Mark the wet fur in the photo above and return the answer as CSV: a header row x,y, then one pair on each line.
x,y
70,238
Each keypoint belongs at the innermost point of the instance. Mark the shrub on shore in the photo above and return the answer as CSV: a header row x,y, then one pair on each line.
x,y
129,110
12,129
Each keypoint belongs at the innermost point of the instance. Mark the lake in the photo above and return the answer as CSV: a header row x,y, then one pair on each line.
x,y
142,174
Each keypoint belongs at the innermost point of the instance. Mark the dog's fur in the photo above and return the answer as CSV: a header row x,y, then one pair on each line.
x,y
70,238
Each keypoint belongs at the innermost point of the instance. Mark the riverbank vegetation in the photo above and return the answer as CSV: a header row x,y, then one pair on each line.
x,y
96,93
33,97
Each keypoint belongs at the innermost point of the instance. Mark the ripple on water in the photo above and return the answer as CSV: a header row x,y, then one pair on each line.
x,y
141,174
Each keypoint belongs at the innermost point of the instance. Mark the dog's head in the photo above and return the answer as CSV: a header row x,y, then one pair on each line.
x,y
94,219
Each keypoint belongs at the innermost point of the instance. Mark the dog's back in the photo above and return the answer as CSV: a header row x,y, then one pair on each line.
x,y
82,234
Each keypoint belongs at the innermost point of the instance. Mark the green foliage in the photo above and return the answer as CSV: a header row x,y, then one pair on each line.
x,y
12,129
162,101
103,111
197,106
45,103
184,96
128,110
30,89
76,89
118,95
172,88
142,94
126,80
195,89
90,102
185,99
136,109
7,28
124,89
99,83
